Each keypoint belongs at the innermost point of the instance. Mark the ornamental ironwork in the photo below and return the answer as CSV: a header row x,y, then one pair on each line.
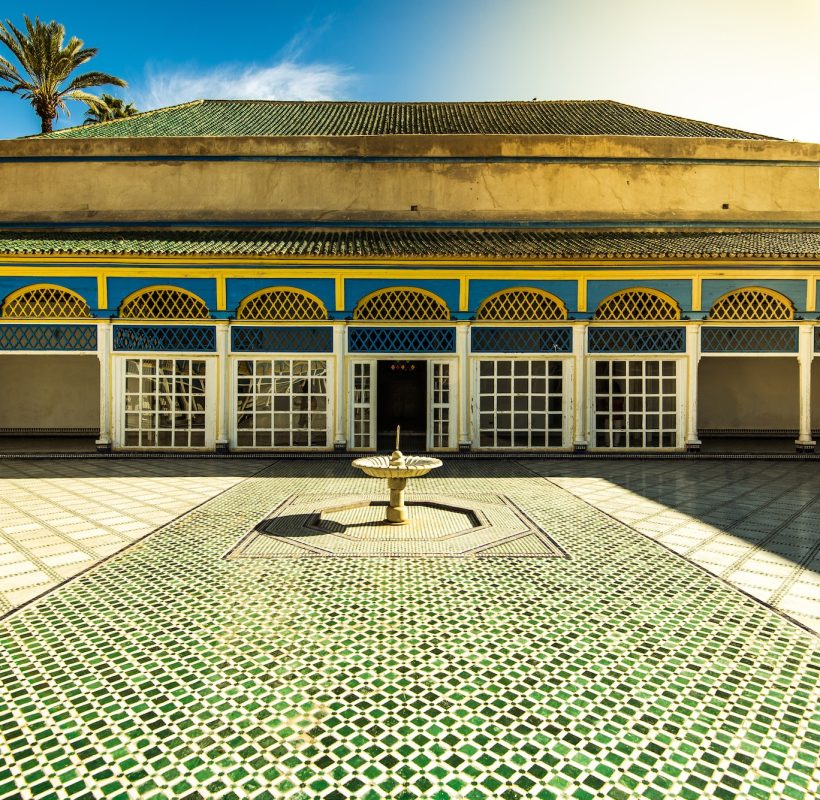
x,y
401,340
177,338
637,340
48,337
400,304
258,339
281,304
639,305
753,304
521,340
163,302
46,302
749,340
522,305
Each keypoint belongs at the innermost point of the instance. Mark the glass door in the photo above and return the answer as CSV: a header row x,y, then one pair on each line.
x,y
362,405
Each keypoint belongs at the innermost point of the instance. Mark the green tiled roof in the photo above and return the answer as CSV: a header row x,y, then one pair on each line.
x,y
416,243
331,118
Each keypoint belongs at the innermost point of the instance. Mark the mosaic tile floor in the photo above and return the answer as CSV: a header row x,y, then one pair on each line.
x,y
756,524
60,517
625,672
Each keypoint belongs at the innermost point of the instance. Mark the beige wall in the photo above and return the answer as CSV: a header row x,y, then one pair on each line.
x,y
49,391
748,392
611,178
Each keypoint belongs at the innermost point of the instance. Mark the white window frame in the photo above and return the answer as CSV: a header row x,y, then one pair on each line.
x,y
452,404
351,406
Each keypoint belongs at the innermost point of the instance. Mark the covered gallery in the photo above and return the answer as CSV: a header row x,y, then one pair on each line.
x,y
491,276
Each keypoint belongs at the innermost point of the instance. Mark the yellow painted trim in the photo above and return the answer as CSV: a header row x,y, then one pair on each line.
x,y
635,290
33,287
529,290
745,290
221,293
811,293
582,294
340,293
394,290
697,292
146,290
464,294
102,292
273,289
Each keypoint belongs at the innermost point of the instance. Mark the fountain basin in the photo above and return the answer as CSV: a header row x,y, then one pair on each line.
x,y
387,467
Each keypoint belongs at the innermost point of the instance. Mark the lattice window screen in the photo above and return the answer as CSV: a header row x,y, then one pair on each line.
x,y
46,302
521,305
637,305
752,304
164,304
401,305
280,305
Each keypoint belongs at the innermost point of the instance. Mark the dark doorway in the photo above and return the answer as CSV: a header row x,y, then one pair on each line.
x,y
402,400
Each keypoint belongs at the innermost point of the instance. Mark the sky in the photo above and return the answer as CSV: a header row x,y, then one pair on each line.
x,y
749,64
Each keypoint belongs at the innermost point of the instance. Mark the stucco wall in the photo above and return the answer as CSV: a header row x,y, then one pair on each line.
x,y
445,178
748,392
49,391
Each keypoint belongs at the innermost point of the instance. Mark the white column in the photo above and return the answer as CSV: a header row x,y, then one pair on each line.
x,y
463,383
692,442
223,367
340,379
104,332
580,437
804,358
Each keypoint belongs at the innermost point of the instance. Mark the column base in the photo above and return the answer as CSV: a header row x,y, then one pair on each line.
x,y
221,447
340,447
103,445
465,447
804,447
579,447
693,446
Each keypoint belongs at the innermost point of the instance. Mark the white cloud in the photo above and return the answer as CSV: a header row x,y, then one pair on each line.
x,y
287,80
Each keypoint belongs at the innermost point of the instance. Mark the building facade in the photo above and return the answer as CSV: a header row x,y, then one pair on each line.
x,y
504,276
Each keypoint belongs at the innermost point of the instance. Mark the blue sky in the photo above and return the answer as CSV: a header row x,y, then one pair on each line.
x,y
752,64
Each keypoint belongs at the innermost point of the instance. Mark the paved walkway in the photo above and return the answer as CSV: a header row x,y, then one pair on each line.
x,y
622,672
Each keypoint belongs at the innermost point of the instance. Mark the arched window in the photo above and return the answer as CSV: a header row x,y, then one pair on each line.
x,y
45,302
163,302
752,303
638,305
521,305
401,304
282,303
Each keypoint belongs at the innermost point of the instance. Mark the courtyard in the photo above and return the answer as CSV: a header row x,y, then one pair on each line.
x,y
664,647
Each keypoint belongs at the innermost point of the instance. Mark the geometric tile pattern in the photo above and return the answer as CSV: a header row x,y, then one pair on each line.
x,y
46,302
637,305
401,340
520,340
523,305
636,340
748,340
752,523
625,672
58,518
48,337
281,304
354,526
163,303
752,304
281,339
189,338
401,304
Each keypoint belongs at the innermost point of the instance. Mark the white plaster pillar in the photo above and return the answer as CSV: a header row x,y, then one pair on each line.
x,y
580,436
223,395
805,356
340,382
692,441
462,380
104,346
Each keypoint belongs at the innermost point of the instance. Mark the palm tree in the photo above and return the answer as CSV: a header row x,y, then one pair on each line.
x,y
107,108
44,75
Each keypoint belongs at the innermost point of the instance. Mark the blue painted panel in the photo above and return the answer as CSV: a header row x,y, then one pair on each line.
x,y
795,290
357,288
48,337
120,288
637,340
513,339
680,290
87,287
281,339
749,340
401,340
239,288
567,291
165,338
